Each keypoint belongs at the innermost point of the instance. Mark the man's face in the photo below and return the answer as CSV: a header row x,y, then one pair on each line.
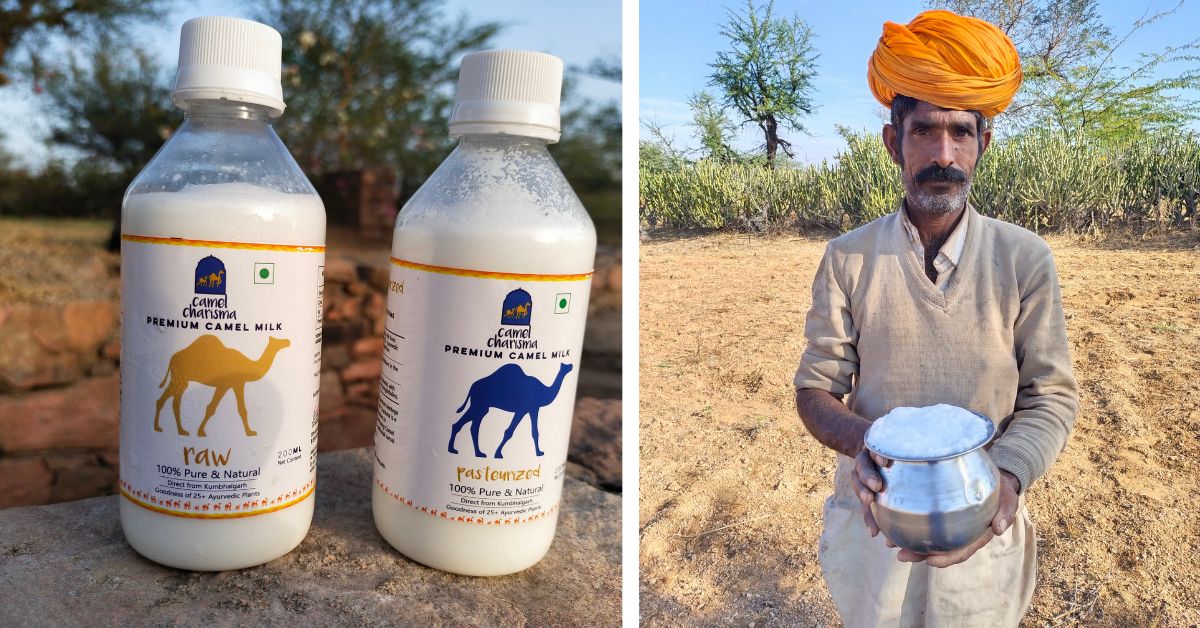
x,y
937,151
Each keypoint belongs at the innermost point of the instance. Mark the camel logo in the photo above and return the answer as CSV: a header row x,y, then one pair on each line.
x,y
208,361
511,390
210,276
518,307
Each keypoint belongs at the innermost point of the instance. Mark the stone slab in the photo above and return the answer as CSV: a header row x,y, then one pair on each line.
x,y
596,439
68,564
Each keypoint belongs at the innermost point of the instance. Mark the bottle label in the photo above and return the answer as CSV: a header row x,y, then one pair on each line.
x,y
478,391
220,370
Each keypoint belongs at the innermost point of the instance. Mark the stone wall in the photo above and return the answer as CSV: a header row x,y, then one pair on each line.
x,y
364,199
60,387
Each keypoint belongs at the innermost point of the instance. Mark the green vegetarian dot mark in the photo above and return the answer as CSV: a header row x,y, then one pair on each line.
x,y
562,303
264,273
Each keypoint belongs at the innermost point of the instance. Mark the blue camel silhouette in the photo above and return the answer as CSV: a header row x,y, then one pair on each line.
x,y
511,390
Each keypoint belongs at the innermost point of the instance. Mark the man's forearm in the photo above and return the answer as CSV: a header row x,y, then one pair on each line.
x,y
830,421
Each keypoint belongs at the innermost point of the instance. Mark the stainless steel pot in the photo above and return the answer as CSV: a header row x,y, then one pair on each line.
x,y
938,504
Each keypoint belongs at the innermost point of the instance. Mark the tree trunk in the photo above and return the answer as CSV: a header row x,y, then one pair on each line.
x,y
771,130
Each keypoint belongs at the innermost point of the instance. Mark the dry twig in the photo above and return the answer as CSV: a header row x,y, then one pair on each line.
x,y
724,527
1079,610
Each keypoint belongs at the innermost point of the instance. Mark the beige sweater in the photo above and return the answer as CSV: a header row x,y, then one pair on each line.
x,y
994,342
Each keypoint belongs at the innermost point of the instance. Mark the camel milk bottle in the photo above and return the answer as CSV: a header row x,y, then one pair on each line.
x,y
222,265
491,270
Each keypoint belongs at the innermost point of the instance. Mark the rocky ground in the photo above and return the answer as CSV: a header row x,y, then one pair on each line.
x,y
732,486
68,564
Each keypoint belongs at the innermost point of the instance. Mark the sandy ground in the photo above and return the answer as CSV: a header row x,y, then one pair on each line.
x,y
732,485
55,261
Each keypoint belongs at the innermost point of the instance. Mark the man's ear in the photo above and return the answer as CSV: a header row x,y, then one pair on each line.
x,y
987,140
890,142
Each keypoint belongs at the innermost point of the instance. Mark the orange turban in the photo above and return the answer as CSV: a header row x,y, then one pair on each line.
x,y
948,60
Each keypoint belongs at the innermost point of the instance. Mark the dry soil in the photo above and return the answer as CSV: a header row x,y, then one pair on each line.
x,y
732,485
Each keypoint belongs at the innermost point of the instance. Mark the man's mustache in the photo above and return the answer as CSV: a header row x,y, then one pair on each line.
x,y
934,172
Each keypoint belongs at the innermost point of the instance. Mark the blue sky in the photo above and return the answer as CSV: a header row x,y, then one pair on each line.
x,y
678,43
575,31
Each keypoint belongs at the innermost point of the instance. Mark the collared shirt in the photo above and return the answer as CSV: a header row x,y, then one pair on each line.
x,y
948,256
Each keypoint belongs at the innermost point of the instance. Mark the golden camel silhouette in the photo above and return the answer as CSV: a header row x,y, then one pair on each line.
x,y
215,279
207,361
522,310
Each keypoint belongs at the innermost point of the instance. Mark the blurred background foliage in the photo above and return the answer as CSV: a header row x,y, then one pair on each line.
x,y
368,84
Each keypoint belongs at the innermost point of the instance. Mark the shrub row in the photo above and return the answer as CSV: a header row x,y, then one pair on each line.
x,y
1044,181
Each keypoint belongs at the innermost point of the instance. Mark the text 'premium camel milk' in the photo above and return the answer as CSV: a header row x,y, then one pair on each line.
x,y
490,278
222,259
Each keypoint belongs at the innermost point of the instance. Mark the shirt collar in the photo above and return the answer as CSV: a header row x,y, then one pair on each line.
x,y
952,249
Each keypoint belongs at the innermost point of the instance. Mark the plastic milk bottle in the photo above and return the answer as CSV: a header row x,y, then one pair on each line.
x,y
491,270
222,263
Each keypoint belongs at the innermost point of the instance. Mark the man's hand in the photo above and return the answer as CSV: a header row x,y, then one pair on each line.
x,y
866,481
1005,515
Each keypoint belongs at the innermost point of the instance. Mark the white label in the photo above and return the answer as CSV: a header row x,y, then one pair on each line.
x,y
478,391
220,369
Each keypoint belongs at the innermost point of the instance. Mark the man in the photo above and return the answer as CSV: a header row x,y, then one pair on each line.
x,y
936,304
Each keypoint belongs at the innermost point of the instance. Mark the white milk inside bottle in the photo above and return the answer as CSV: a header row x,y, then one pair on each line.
x,y
491,273
222,262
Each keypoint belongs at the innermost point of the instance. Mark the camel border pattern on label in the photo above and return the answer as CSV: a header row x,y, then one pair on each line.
x,y
449,516
151,502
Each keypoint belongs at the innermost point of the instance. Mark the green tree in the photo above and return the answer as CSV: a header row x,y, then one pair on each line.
x,y
25,24
1072,81
767,74
589,152
370,82
712,127
114,105
6,158
659,151
652,156
606,68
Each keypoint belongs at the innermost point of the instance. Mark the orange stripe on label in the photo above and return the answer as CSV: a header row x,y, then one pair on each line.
x,y
223,245
217,515
483,274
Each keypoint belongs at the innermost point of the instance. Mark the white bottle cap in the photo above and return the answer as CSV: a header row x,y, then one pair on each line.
x,y
511,92
229,58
